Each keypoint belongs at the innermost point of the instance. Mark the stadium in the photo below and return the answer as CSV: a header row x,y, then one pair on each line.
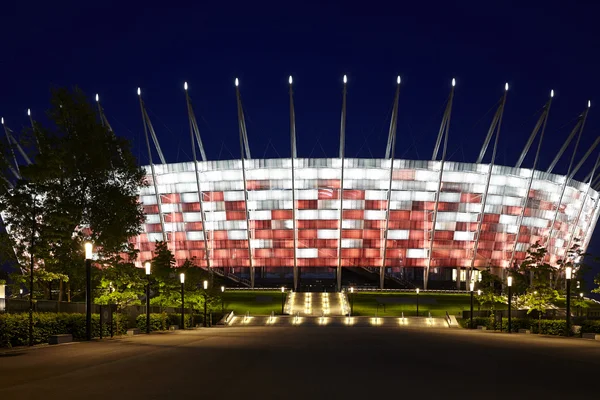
x,y
394,222
425,223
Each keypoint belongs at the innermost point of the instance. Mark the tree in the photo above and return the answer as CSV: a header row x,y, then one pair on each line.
x,y
83,185
540,294
164,277
491,288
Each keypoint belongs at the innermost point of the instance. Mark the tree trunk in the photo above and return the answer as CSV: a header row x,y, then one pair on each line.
x,y
69,292
60,290
50,290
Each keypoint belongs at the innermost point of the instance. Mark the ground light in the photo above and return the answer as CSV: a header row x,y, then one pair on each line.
x,y
147,266
88,290
205,285
509,281
471,287
182,280
568,276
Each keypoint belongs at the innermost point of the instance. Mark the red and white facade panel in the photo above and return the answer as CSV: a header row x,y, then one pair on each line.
x,y
269,217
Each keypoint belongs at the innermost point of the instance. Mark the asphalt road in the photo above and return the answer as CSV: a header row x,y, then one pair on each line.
x,y
306,363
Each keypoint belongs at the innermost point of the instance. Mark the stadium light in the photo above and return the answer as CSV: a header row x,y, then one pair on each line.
x,y
506,86
185,86
345,79
589,103
97,98
139,91
453,82
552,93
2,120
237,82
398,80
29,112
290,80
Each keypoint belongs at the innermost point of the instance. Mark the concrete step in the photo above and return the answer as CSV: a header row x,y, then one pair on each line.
x,y
316,304
303,320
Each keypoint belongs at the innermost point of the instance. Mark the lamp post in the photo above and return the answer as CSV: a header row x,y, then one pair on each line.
x,y
222,300
182,280
21,293
580,300
351,300
88,290
417,302
568,276
205,283
282,298
509,282
147,266
471,287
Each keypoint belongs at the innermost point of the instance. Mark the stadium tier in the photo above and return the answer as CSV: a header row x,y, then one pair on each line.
x,y
255,227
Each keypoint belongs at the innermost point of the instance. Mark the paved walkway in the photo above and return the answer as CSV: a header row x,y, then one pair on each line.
x,y
307,363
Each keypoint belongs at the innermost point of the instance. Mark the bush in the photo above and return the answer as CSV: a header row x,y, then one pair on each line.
x,y
14,328
590,326
161,322
548,326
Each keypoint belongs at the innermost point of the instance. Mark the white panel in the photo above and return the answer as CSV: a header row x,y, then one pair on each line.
x,y
398,234
329,214
511,229
261,243
192,217
446,216
426,176
189,197
155,237
307,253
169,207
233,195
148,199
237,235
424,196
445,226
307,194
194,235
374,214
416,253
466,217
508,219
450,197
307,214
260,215
535,222
216,216
376,195
401,195
353,204
473,207
352,224
460,235
328,233
351,243
151,219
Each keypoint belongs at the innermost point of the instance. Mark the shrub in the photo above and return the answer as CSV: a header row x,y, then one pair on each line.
x,y
14,328
161,322
590,326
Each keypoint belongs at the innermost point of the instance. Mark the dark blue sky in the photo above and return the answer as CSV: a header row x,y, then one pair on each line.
x,y
112,47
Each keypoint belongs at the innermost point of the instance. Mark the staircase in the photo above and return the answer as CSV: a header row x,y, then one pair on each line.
x,y
403,282
311,304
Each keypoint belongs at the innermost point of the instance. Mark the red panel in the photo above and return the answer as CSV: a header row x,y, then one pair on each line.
x,y
352,233
235,215
354,194
212,196
235,206
307,234
173,217
281,214
328,193
307,204
470,198
152,209
372,234
190,207
353,214
376,205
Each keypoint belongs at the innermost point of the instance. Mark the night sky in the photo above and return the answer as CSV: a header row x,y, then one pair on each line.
x,y
112,47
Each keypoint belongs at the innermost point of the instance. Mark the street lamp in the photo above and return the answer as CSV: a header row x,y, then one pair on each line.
x,y
417,302
581,299
88,290
472,286
222,300
568,276
351,300
205,284
21,293
147,266
509,282
282,298
182,280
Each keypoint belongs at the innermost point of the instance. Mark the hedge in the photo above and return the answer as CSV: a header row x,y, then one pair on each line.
x,y
161,322
14,328
555,327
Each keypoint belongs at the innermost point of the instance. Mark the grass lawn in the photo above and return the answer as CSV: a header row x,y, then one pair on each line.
x,y
256,302
397,303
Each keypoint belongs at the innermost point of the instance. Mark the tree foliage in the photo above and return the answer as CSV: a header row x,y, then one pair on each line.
x,y
83,185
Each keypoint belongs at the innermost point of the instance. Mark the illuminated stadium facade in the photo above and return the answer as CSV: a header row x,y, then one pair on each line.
x,y
429,223
416,220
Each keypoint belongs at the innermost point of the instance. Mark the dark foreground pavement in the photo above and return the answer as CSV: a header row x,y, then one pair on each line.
x,y
306,363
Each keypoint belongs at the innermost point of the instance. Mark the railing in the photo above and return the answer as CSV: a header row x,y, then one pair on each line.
x,y
371,289
228,318
227,275
448,319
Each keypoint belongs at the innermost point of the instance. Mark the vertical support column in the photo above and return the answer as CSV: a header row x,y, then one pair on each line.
x,y
197,172
391,151
342,142
444,130
242,125
537,154
496,123
156,193
293,157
